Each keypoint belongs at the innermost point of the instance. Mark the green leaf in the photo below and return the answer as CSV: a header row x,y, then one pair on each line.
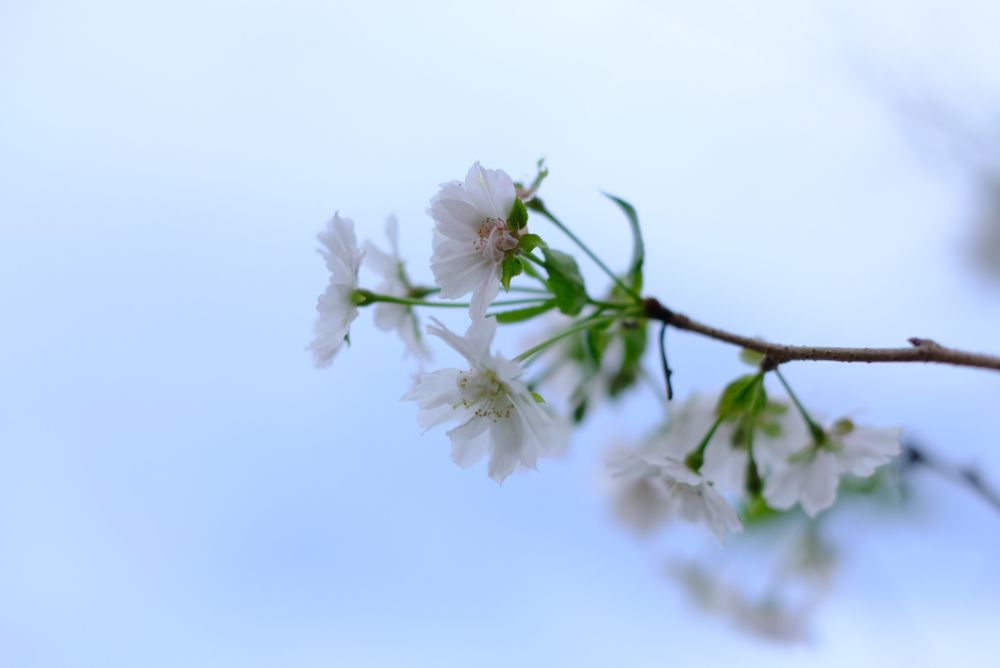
x,y
530,242
537,397
510,268
634,337
565,281
634,274
744,395
522,314
518,215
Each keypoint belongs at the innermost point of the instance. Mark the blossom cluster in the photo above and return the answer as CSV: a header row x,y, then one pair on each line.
x,y
714,458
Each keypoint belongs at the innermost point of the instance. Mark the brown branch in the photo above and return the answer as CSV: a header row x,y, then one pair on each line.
x,y
920,350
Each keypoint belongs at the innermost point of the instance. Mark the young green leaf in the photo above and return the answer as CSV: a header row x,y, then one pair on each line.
x,y
634,274
565,281
744,395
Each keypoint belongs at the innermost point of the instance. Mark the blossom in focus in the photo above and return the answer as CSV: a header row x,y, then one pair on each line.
x,y
808,473
670,488
336,306
395,283
472,236
497,414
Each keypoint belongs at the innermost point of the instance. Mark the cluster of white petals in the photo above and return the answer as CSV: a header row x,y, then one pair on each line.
x,y
336,307
390,317
655,487
654,481
472,236
804,472
497,413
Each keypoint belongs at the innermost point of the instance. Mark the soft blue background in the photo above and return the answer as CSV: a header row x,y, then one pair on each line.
x,y
178,486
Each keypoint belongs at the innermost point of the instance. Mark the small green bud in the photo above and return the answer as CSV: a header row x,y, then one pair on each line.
x,y
842,427
694,460
751,357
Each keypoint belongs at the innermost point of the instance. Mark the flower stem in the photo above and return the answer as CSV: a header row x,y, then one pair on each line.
x,y
586,323
426,292
540,208
696,458
372,298
819,436
607,305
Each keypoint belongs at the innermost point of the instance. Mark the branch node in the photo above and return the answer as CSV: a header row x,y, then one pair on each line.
x,y
657,311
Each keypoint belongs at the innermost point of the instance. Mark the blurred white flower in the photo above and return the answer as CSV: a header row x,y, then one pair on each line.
x,y
395,317
804,472
808,477
864,449
336,306
687,425
653,487
498,414
768,616
471,235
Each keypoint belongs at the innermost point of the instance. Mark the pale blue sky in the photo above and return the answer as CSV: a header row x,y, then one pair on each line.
x,y
179,487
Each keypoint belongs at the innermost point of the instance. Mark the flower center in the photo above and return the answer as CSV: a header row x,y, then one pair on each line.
x,y
495,240
484,392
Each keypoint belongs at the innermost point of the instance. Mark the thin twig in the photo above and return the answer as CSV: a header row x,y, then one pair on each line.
x,y
967,476
667,371
920,350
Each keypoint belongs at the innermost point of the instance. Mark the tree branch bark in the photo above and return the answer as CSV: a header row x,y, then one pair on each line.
x,y
920,350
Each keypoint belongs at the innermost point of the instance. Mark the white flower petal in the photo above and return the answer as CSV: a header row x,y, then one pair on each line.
x,y
819,483
471,237
866,448
336,313
469,442
490,190
497,412
484,294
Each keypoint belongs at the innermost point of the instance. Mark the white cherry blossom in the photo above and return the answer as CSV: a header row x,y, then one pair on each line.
x,y
687,425
472,236
655,487
336,307
395,317
801,471
497,414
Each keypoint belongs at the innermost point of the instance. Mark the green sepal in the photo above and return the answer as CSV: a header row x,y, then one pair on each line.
x,y
510,268
530,242
362,297
537,397
518,215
